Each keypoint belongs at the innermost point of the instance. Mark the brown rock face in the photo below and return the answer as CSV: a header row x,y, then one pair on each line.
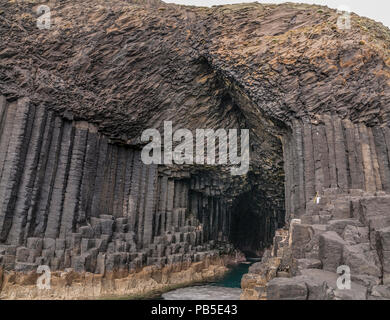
x,y
75,98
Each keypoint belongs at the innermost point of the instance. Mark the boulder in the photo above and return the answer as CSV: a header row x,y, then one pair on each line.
x,y
49,244
300,236
356,292
338,226
312,248
86,232
376,211
287,289
251,280
22,254
385,257
25,267
107,226
309,264
317,288
342,209
365,280
384,238
355,235
383,247
35,243
382,291
361,260
322,276
331,250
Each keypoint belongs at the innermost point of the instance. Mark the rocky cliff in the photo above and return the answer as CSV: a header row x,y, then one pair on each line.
x,y
75,98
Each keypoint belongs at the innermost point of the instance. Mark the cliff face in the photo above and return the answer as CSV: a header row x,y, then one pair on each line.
x,y
74,100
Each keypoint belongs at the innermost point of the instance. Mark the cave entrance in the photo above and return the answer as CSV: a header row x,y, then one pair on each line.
x,y
256,203
253,223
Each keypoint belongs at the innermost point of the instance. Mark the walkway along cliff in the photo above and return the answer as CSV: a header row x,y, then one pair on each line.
x,y
75,195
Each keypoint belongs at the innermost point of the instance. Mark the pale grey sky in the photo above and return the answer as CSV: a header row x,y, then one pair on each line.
x,y
378,10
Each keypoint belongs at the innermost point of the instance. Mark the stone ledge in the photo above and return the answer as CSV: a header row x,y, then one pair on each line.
x,y
73,285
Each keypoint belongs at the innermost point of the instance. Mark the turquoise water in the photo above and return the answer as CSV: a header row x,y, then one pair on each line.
x,y
227,288
233,278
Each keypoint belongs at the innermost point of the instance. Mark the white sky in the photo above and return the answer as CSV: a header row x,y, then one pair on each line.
x,y
378,10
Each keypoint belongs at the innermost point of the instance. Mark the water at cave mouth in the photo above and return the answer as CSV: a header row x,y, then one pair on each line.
x,y
227,288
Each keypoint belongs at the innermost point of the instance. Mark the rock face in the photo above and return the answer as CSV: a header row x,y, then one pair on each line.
x,y
72,199
311,260
151,280
75,98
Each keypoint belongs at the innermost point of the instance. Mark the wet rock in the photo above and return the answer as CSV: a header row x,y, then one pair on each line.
x,y
203,293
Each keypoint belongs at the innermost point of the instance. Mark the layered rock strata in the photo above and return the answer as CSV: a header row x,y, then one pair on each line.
x,y
147,282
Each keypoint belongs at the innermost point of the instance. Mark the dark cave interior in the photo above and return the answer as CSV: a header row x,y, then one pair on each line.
x,y
253,222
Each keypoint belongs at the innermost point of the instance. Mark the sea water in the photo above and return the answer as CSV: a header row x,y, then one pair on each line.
x,y
227,288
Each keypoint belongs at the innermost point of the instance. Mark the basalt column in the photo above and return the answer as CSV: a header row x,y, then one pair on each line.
x,y
71,198
331,152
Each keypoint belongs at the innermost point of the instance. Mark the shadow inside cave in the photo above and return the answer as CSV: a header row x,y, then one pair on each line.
x,y
253,222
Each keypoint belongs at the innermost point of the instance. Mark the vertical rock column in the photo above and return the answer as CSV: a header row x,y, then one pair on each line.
x,y
331,152
14,152
69,197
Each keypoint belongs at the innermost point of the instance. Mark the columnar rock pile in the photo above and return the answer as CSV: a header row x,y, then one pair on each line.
x,y
349,230
337,185
72,199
